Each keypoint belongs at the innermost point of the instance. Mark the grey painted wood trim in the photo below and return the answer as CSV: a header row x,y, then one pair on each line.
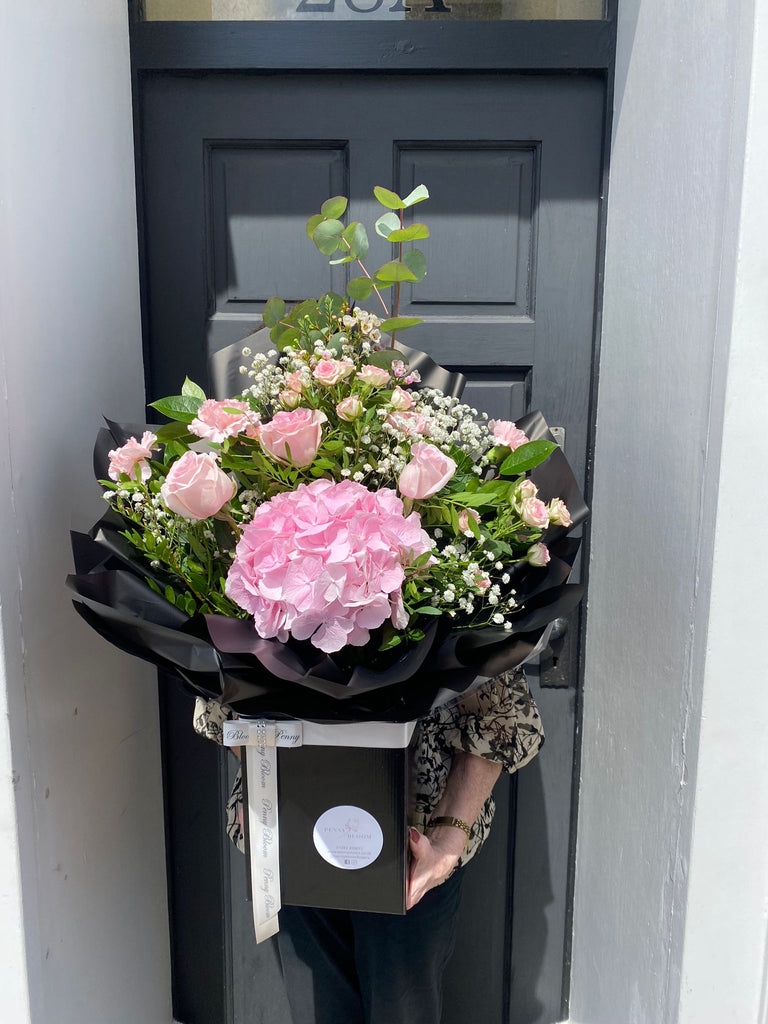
x,y
407,46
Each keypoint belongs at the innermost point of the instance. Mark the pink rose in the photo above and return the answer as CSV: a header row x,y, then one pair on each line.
x,y
558,512
295,381
411,423
289,398
376,376
525,489
196,486
427,473
400,400
132,455
350,408
464,518
505,432
537,554
300,431
399,368
331,371
216,421
534,512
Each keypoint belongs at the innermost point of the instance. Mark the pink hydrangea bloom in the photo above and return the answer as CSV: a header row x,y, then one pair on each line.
x,y
325,563
132,455
507,433
216,421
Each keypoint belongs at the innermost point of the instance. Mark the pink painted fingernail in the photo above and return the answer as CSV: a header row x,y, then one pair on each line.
x,y
415,835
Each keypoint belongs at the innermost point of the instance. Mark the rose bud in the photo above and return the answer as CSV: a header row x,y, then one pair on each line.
x,y
300,431
401,400
537,554
427,473
289,398
350,408
558,512
196,486
464,518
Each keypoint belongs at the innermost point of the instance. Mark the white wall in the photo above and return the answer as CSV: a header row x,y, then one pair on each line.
x,y
82,717
672,232
726,928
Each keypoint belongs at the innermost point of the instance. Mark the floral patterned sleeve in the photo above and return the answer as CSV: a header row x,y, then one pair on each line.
x,y
209,717
499,720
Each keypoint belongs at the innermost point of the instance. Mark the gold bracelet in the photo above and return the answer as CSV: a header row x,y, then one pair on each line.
x,y
456,822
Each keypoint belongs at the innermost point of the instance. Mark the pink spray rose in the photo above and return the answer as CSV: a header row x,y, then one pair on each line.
x,y
326,563
411,423
401,399
427,473
525,489
534,513
537,554
350,408
300,430
558,512
196,486
376,376
132,455
505,432
464,518
216,421
295,381
331,371
289,398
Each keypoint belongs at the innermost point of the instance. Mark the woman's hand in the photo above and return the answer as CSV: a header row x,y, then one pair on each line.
x,y
432,860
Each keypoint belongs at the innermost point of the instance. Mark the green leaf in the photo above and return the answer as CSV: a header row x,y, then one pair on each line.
x,y
473,500
313,222
341,259
356,238
418,195
359,288
414,260
427,609
391,200
333,208
396,271
173,432
399,323
273,312
386,224
178,407
410,234
526,457
192,390
326,236
384,357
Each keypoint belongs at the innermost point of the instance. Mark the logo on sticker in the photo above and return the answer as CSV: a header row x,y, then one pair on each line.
x,y
348,837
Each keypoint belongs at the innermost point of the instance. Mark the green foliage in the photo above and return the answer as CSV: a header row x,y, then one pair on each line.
x,y
178,407
526,457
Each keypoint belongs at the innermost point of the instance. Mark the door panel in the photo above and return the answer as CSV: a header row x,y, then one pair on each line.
x,y
233,165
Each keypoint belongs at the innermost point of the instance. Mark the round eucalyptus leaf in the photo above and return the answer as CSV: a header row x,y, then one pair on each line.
x,y
414,260
333,208
386,224
391,200
359,288
410,234
326,236
418,195
396,271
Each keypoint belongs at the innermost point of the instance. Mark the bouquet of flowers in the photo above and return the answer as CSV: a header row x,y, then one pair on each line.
x,y
343,538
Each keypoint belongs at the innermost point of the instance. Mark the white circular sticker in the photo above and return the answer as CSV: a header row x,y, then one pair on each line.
x,y
348,837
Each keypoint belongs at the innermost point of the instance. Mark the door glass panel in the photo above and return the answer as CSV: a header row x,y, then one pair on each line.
x,y
384,10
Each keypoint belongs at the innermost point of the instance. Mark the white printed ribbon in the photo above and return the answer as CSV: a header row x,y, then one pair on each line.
x,y
260,738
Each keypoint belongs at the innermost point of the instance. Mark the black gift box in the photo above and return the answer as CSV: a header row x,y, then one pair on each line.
x,y
342,823
312,782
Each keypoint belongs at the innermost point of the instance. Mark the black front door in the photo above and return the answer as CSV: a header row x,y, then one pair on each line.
x,y
232,166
